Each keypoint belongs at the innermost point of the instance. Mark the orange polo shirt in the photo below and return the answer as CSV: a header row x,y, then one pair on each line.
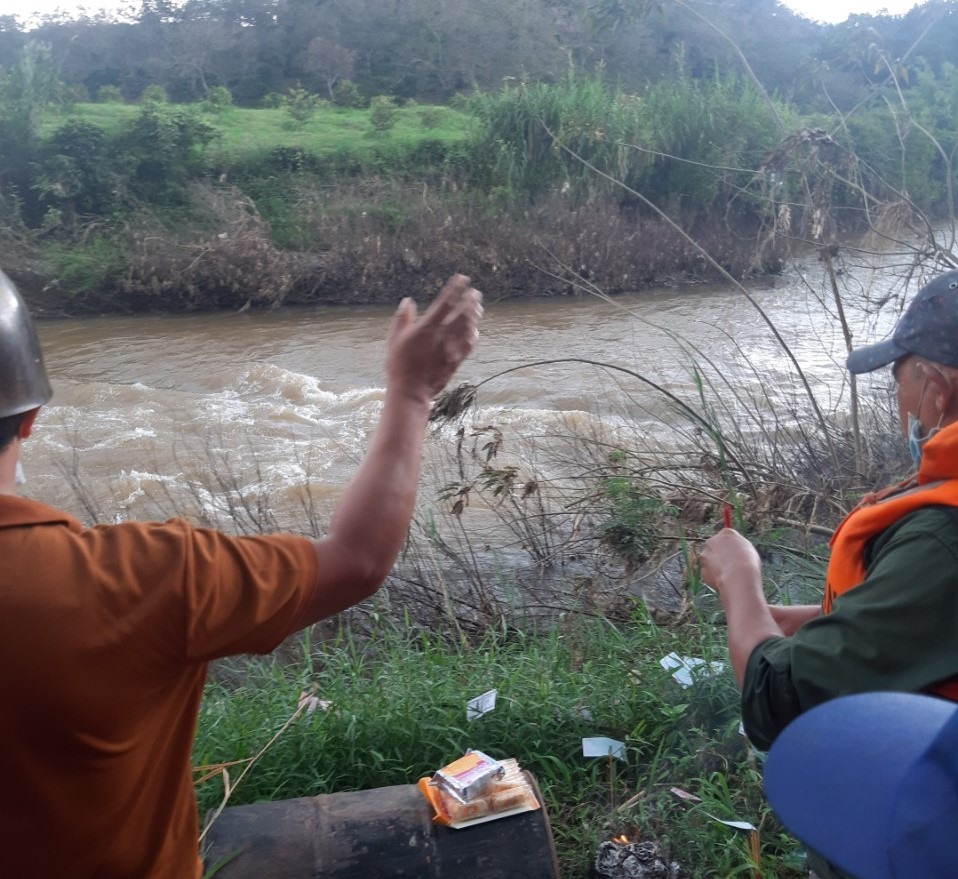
x,y
105,634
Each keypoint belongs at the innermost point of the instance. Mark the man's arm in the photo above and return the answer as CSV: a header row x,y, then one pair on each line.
x,y
731,566
371,519
791,617
895,631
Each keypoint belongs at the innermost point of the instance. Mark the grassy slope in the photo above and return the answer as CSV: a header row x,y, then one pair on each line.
x,y
398,712
246,134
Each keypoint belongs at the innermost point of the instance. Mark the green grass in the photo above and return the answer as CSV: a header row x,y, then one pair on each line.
x,y
246,135
110,117
398,712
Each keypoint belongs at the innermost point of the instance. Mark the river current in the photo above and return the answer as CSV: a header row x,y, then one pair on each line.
x,y
155,415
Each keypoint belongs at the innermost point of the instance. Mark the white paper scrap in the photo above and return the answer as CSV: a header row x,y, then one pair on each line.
x,y
738,825
601,746
690,668
481,705
685,795
310,703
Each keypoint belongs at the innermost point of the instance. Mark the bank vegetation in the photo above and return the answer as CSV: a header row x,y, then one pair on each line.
x,y
575,185
534,187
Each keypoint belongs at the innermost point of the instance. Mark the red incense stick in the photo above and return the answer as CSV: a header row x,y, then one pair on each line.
x,y
727,515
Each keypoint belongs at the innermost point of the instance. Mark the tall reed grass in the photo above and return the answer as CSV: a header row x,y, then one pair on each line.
x,y
684,143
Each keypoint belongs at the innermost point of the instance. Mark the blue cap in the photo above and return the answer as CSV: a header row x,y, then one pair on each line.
x,y
870,782
929,328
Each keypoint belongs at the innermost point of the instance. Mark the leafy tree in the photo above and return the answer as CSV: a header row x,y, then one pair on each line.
x,y
79,172
109,94
154,94
217,98
27,89
328,62
382,112
300,105
165,147
347,94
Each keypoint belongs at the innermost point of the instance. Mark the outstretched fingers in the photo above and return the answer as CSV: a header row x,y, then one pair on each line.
x,y
449,302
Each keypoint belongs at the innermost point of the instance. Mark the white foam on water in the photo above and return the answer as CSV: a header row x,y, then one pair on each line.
x,y
271,381
136,485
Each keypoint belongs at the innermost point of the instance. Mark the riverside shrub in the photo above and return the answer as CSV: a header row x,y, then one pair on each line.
x,y
300,105
79,171
109,94
217,98
154,94
165,149
382,112
347,94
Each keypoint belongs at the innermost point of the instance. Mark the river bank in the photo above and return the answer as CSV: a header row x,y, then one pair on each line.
x,y
390,709
595,487
227,259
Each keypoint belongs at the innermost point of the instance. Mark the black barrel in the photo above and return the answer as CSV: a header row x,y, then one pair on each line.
x,y
385,833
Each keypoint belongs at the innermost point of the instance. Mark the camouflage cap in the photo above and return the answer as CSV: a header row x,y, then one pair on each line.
x,y
928,328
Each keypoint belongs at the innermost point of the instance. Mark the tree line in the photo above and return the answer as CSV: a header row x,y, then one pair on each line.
x,y
430,50
584,148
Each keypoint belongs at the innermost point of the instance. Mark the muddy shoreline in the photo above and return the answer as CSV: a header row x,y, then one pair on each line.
x,y
545,251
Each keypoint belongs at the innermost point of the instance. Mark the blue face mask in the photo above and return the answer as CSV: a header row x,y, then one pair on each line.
x,y
917,438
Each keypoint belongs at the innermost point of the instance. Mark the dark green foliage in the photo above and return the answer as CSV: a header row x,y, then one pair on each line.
x,y
683,145
701,141
531,135
631,527
432,50
28,89
90,269
429,153
75,93
164,148
431,117
217,98
154,94
109,94
300,105
382,112
288,160
347,94
79,171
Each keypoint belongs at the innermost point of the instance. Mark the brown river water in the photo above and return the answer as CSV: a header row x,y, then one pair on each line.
x,y
152,415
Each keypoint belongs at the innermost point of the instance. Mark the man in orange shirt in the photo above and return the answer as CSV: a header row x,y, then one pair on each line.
x,y
106,632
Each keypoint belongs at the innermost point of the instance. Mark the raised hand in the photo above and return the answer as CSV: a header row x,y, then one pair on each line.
x,y
422,353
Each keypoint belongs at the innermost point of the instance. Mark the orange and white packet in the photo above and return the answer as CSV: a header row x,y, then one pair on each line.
x,y
510,794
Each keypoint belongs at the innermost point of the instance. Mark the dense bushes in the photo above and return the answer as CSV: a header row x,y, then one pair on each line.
x,y
712,154
83,171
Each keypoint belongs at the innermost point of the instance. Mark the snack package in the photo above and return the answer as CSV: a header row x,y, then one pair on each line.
x,y
508,794
468,776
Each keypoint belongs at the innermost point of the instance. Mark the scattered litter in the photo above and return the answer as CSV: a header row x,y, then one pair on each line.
x,y
483,704
738,825
585,713
310,703
690,668
601,746
685,795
